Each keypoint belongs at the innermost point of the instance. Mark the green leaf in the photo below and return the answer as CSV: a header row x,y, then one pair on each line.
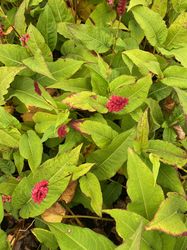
x,y
73,237
90,186
94,38
170,216
60,11
179,6
133,243
7,75
8,120
111,192
140,187
19,161
73,85
109,160
121,81
168,178
12,54
152,24
142,133
136,93
169,154
36,43
23,89
38,65
127,224
19,21
1,209
4,241
9,137
87,100
47,26
175,76
134,3
177,33
145,61
182,98
160,6
46,237
60,69
102,134
31,148
155,160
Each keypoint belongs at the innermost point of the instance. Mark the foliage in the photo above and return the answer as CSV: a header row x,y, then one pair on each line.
x,y
93,124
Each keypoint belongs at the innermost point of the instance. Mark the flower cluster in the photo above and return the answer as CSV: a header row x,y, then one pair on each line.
x,y
121,7
24,39
2,30
6,198
39,191
110,2
62,131
116,103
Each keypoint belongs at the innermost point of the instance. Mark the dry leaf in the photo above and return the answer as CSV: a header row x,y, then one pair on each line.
x,y
54,213
27,116
180,132
69,193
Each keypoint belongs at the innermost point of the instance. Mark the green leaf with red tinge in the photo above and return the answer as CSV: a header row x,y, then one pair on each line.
x,y
170,217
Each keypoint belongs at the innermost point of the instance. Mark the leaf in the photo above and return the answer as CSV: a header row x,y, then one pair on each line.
x,y
87,100
73,237
182,98
90,186
169,154
121,81
152,24
31,148
134,3
23,89
8,120
19,21
175,76
94,38
73,85
12,54
7,75
60,10
140,187
134,242
127,224
54,214
168,178
102,134
1,209
170,216
46,237
36,43
142,133
145,61
10,137
177,35
109,160
4,241
111,192
47,26
38,65
155,160
60,69
136,93
179,6
160,6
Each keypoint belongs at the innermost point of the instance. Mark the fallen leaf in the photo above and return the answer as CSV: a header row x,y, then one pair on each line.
x,y
54,213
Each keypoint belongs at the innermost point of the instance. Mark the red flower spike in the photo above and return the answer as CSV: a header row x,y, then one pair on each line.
x,y
62,131
116,103
2,34
6,198
39,191
37,89
24,39
121,7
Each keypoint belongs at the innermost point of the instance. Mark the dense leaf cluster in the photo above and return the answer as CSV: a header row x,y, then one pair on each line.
x,y
93,118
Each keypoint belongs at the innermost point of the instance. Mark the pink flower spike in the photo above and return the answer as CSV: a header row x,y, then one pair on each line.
x,y
62,131
37,88
110,2
24,39
121,7
6,198
39,191
116,103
